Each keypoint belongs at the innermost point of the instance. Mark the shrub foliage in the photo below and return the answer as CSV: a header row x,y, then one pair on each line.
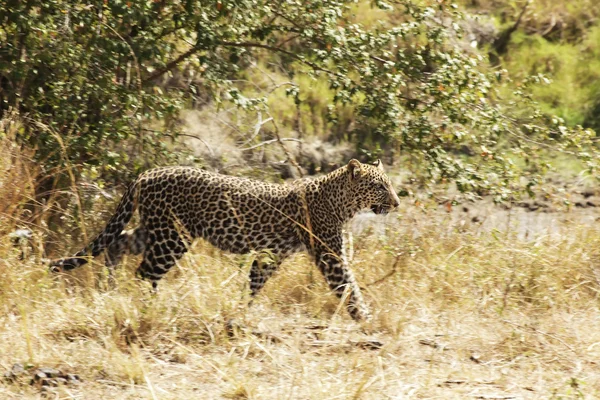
x,y
87,78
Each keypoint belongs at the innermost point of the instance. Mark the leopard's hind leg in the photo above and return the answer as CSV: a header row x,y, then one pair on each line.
x,y
131,242
164,246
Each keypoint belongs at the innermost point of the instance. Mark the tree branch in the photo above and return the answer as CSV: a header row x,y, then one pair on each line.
x,y
172,64
280,50
500,45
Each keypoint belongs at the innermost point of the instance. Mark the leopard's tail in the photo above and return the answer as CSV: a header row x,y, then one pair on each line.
x,y
111,232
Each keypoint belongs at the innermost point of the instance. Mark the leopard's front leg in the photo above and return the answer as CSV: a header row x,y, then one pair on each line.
x,y
339,276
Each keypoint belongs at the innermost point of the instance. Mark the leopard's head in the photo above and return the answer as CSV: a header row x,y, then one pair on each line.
x,y
371,188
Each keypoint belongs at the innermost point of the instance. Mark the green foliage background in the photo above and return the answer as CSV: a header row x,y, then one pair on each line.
x,y
98,86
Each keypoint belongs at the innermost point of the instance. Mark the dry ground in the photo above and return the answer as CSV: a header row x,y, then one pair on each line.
x,y
459,312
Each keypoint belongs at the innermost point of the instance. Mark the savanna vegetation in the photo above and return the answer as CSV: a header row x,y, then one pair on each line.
x,y
469,104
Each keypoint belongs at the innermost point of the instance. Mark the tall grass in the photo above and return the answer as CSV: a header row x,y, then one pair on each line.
x,y
15,175
458,312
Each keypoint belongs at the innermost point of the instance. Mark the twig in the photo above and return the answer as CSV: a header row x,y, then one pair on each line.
x,y
210,150
126,384
541,333
520,136
227,124
549,29
392,272
259,124
290,158
277,86
266,142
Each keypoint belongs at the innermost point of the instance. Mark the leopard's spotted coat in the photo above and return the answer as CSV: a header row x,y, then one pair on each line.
x,y
177,204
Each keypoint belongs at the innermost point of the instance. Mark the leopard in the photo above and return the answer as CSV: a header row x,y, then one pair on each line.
x,y
242,215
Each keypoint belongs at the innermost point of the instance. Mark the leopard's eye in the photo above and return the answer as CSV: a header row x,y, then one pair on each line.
x,y
382,186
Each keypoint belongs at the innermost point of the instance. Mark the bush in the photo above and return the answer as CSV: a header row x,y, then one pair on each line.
x,y
91,76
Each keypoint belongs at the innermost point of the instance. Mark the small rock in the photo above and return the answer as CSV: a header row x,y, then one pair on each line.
x,y
73,378
61,381
39,375
17,369
587,194
434,344
368,344
52,382
50,372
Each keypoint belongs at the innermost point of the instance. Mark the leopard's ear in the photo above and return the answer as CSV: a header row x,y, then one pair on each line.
x,y
378,164
355,168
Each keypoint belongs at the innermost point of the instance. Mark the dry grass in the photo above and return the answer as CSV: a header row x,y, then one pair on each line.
x,y
459,312
14,175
